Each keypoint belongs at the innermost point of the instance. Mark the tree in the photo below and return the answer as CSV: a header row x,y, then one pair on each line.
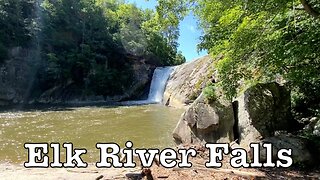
x,y
262,41
15,24
310,10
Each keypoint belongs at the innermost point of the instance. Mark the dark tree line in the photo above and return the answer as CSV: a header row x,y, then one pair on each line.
x,y
89,43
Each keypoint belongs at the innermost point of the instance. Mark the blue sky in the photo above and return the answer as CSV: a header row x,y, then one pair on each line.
x,y
189,33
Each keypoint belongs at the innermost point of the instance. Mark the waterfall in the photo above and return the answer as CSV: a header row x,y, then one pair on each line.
x,y
158,84
157,87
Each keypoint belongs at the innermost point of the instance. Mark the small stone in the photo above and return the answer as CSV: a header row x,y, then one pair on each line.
x,y
314,119
99,177
316,129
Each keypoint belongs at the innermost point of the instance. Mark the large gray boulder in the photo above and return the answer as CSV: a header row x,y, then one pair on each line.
x,y
262,110
206,122
304,152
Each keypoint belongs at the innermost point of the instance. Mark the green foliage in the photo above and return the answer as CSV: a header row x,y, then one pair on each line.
x,y
209,93
103,81
90,44
305,100
260,41
15,24
263,41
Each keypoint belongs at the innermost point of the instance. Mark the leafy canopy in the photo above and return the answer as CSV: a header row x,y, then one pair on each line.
x,y
261,41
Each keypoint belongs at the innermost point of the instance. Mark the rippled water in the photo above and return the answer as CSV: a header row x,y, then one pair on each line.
x,y
146,126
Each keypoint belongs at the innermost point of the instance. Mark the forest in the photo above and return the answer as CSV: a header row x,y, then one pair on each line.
x,y
91,43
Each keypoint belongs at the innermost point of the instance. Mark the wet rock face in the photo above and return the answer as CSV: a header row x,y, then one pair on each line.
x,y
206,122
142,78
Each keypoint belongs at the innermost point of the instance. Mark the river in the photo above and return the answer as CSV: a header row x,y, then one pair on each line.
x,y
148,126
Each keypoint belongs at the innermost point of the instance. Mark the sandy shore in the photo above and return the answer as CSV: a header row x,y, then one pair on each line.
x,y
16,172
10,172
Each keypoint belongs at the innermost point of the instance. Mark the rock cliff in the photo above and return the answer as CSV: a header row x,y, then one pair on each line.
x,y
19,82
17,76
187,81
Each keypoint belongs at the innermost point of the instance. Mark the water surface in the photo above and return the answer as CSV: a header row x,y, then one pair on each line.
x,y
147,126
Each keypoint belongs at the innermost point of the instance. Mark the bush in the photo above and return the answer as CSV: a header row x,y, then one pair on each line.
x,y
210,93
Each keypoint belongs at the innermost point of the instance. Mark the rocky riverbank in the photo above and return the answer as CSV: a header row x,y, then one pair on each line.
x,y
261,113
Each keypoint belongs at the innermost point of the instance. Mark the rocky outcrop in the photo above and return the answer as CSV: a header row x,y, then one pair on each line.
x,y
312,126
316,129
142,73
206,122
258,113
17,76
262,113
187,82
304,152
67,93
262,110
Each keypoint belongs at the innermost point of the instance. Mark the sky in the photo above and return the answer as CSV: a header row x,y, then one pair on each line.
x,y
189,33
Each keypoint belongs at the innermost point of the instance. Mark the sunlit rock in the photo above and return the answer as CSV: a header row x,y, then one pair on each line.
x,y
209,122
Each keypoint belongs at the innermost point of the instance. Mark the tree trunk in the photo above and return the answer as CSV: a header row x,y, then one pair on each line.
x,y
310,10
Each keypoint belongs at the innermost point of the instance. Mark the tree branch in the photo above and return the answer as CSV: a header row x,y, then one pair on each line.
x,y
309,9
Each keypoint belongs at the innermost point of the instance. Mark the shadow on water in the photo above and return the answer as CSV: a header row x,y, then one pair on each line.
x,y
68,106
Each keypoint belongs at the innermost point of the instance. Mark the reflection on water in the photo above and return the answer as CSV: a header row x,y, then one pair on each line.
x,y
146,126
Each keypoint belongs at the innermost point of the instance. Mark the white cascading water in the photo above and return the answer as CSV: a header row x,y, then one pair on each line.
x,y
158,84
157,87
